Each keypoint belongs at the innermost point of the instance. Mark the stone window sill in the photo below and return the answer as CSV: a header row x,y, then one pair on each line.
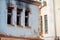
x,y
10,25
28,26
20,26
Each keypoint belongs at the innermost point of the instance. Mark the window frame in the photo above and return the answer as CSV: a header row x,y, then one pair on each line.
x,y
19,15
27,17
46,23
9,13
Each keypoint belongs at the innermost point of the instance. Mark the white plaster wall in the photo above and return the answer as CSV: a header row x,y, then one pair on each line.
x,y
49,11
57,14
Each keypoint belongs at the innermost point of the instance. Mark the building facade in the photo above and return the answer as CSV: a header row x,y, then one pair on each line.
x,y
49,20
19,18
31,19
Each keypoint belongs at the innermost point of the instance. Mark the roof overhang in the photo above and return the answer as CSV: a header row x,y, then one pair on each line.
x,y
31,2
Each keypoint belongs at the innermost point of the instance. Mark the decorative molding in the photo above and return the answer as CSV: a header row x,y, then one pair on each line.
x,y
31,2
44,4
4,37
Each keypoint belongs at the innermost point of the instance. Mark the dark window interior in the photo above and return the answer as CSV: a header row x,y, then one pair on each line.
x,y
18,20
46,25
9,19
9,15
26,13
26,21
19,16
9,10
26,17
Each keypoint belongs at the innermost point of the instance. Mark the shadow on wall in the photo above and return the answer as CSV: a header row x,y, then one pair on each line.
x,y
58,38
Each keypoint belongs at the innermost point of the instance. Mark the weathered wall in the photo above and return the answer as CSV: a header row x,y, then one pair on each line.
x,y
9,38
14,30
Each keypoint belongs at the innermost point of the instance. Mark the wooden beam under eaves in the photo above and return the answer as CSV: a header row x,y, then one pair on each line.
x,y
30,2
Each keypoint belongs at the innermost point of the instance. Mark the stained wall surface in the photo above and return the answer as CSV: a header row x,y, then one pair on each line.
x,y
17,31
